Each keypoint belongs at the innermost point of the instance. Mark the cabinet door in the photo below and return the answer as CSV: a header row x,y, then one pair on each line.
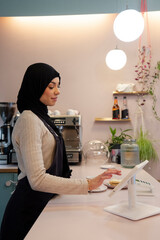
x,y
7,186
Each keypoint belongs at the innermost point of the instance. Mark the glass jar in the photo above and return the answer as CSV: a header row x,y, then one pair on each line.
x,y
95,151
129,153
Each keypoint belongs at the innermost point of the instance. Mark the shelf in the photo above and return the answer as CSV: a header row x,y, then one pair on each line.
x,y
107,119
130,93
111,120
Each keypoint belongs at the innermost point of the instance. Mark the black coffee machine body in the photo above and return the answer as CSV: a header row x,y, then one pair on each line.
x,y
7,110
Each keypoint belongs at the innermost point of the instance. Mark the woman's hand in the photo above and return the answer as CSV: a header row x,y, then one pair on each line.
x,y
97,181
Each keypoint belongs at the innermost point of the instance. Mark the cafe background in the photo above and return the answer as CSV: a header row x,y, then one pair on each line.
x,y
76,45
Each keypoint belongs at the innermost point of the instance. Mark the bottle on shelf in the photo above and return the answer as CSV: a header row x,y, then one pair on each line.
x,y
115,109
124,112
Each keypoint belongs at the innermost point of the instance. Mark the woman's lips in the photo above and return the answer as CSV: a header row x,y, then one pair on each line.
x,y
54,99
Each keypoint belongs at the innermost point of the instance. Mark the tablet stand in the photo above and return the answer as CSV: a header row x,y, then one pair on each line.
x,y
132,210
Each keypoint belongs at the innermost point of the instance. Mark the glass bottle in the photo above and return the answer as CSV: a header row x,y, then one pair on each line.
x,y
115,109
124,112
129,153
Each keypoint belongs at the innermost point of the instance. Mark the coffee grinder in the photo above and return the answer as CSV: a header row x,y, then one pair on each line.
x,y
7,110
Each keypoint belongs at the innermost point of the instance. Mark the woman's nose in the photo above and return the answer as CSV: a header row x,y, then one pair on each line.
x,y
57,91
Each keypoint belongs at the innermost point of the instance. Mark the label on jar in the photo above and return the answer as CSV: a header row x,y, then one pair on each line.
x,y
130,158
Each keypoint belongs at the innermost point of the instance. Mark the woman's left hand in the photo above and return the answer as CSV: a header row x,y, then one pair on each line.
x,y
97,181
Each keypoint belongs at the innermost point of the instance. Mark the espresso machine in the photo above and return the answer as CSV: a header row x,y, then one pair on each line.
x,y
7,110
71,129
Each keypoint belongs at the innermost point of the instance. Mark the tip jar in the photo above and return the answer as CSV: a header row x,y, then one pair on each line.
x,y
129,153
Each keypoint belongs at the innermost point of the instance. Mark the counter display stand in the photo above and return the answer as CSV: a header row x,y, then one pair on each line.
x,y
132,210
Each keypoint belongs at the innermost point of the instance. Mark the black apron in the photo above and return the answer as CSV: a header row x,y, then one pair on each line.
x,y
25,204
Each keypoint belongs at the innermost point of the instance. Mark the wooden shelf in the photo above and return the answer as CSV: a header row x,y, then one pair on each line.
x,y
107,119
111,120
130,93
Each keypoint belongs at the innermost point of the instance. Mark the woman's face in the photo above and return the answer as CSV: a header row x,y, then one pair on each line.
x,y
49,97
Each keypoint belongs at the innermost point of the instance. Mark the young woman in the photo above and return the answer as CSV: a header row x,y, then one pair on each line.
x,y
43,166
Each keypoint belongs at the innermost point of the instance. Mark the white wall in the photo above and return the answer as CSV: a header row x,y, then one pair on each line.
x,y
76,46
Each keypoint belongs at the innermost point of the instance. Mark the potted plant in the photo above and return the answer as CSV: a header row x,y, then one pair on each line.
x,y
145,143
146,148
114,143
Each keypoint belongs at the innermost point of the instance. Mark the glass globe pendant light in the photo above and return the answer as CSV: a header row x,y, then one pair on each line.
x,y
116,59
128,25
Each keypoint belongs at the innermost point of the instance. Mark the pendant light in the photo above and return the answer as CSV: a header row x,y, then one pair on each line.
x,y
128,25
116,59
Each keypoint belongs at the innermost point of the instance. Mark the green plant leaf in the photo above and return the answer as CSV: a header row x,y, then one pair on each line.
x,y
117,139
146,148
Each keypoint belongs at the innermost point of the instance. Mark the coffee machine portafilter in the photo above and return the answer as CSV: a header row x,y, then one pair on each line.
x,y
7,110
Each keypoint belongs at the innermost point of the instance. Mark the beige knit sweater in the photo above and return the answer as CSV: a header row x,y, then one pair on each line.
x,y
35,147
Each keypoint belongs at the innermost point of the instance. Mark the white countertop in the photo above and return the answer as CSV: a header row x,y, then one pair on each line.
x,y
82,217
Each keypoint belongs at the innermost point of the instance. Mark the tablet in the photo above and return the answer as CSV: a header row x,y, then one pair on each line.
x,y
125,180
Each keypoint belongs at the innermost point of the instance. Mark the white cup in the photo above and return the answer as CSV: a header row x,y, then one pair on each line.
x,y
76,112
70,112
56,112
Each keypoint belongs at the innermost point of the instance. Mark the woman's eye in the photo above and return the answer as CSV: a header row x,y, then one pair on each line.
x,y
53,86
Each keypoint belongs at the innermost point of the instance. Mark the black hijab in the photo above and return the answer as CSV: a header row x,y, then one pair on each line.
x,y
35,80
